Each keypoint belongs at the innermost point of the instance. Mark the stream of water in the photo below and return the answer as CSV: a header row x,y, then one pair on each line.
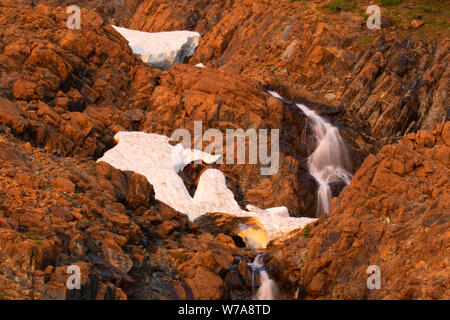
x,y
327,165
328,161
268,289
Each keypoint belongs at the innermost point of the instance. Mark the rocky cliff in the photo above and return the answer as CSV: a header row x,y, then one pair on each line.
x,y
62,101
395,214
64,94
389,81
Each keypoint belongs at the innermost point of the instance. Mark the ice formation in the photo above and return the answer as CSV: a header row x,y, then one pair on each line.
x,y
161,49
154,157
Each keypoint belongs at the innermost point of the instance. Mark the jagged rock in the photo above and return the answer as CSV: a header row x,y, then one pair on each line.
x,y
12,116
117,244
395,214
326,58
64,94
85,105
247,228
64,184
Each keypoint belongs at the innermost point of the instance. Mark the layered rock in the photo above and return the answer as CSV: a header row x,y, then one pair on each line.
x,y
59,212
157,16
161,49
62,100
64,94
395,214
386,85
71,97
69,92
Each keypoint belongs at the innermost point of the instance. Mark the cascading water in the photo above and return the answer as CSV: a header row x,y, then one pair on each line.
x,y
327,162
268,289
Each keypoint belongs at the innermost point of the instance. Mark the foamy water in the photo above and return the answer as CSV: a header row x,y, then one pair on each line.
x,y
328,162
268,289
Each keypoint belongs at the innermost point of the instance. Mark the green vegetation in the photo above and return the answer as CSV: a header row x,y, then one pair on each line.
x,y
34,236
31,235
338,5
307,231
179,256
433,12
364,41
387,3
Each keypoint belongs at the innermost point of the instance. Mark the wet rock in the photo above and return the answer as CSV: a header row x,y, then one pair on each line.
x,y
336,187
66,96
325,59
217,223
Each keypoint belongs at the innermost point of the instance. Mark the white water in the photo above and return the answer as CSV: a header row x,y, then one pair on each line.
x,y
268,289
328,161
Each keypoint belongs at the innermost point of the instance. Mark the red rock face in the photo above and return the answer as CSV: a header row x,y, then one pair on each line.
x,y
390,87
58,212
198,15
88,93
65,93
395,214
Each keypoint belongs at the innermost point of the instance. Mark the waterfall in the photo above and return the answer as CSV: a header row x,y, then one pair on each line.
x,y
328,161
268,289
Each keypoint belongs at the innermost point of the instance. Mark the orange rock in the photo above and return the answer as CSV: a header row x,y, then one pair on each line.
x,y
416,23
64,184
25,90
12,116
317,283
370,226
206,285
446,133
424,138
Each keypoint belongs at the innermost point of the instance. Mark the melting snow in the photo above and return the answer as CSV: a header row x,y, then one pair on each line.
x,y
154,157
161,49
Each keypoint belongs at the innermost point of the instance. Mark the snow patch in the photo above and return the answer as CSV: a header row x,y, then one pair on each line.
x,y
161,49
154,157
